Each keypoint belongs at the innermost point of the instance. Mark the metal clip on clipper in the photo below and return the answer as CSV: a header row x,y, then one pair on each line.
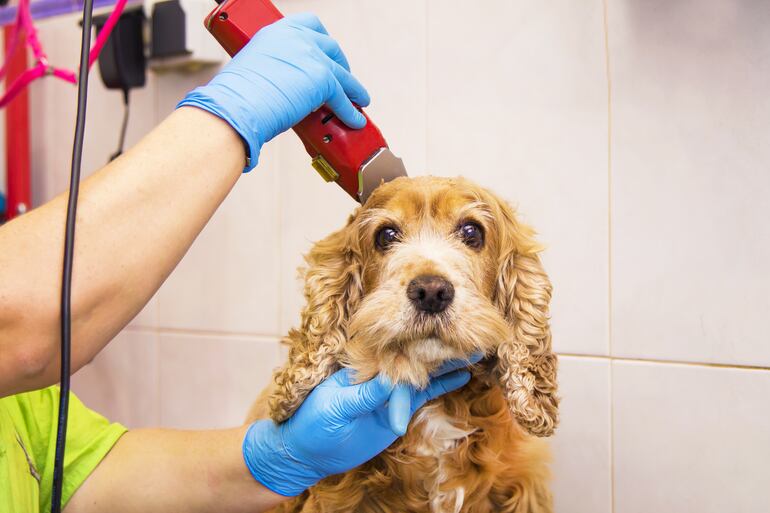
x,y
358,160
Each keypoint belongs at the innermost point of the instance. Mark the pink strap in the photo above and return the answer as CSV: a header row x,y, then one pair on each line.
x,y
106,30
21,82
25,24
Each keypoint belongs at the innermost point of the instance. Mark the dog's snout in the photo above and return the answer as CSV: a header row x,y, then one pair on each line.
x,y
430,294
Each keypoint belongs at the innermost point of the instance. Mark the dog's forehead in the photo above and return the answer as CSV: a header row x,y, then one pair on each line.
x,y
420,199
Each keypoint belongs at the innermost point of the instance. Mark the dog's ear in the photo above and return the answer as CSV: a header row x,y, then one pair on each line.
x,y
526,365
332,290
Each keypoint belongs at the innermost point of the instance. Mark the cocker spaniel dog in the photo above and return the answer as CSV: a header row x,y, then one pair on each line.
x,y
431,269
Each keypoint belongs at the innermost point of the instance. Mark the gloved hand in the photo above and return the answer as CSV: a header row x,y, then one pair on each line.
x,y
287,70
338,427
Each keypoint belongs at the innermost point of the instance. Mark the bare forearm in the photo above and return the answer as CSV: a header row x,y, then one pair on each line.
x,y
136,219
152,471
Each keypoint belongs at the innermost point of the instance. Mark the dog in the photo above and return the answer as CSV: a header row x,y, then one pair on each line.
x,y
431,269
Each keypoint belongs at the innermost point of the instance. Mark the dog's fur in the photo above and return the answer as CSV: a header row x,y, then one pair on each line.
x,y
468,451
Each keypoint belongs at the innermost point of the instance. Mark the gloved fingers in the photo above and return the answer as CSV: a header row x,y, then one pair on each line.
x,y
331,48
307,20
452,365
439,386
358,400
400,408
341,105
352,87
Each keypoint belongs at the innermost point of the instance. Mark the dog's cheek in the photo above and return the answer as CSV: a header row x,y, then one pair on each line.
x,y
372,328
479,325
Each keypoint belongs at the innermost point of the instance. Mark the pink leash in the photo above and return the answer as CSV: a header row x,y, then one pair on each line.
x,y
42,67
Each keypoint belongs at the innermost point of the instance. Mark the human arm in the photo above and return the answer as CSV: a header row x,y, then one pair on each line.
x,y
139,214
136,219
339,426
157,470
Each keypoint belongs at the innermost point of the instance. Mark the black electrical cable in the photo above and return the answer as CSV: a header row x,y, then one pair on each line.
x,y
123,127
69,246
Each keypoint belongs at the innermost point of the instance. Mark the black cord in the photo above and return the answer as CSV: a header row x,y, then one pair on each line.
x,y
69,245
122,139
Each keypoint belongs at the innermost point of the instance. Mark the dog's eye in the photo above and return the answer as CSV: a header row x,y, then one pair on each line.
x,y
472,235
385,237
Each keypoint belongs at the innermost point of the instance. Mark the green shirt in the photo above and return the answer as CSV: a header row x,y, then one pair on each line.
x,y
27,443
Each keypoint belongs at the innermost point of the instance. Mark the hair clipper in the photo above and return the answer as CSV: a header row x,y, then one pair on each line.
x,y
358,160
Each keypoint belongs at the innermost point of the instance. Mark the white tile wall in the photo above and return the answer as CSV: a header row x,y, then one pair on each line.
x,y
650,193
690,438
227,281
211,381
691,180
122,381
582,464
309,209
517,100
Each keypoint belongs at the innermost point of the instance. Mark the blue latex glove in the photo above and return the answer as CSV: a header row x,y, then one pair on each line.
x,y
287,70
338,427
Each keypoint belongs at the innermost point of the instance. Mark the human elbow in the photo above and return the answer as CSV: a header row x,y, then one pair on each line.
x,y
26,347
33,360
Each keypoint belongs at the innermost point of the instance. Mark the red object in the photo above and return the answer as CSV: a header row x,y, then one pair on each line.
x,y
327,139
16,133
24,32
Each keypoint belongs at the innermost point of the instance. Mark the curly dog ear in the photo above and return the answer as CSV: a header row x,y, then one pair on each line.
x,y
526,365
332,290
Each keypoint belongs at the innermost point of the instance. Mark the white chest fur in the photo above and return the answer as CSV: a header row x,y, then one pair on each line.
x,y
440,436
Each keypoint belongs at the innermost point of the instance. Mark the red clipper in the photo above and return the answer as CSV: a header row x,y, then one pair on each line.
x,y
358,160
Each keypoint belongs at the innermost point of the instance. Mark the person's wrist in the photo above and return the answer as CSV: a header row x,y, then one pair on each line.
x,y
213,103
269,462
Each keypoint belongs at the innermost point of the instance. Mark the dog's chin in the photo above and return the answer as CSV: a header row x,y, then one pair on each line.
x,y
407,347
416,360
410,361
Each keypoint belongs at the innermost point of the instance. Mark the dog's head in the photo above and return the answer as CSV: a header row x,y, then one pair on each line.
x,y
427,270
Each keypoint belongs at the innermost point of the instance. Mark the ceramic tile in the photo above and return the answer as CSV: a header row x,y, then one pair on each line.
x,y
581,445
121,383
690,241
229,280
211,381
174,85
310,209
690,438
517,101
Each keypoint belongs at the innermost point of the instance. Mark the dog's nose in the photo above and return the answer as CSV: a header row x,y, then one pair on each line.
x,y
431,294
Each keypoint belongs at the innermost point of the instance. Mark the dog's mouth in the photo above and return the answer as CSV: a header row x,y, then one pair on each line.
x,y
407,344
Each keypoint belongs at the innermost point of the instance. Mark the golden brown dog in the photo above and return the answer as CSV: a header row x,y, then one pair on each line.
x,y
427,270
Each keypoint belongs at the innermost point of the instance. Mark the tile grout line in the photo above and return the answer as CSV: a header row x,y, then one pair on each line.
x,y
709,365
203,333
426,112
158,389
611,381
609,252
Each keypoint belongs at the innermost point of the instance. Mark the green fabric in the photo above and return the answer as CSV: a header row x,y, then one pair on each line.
x,y
27,443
